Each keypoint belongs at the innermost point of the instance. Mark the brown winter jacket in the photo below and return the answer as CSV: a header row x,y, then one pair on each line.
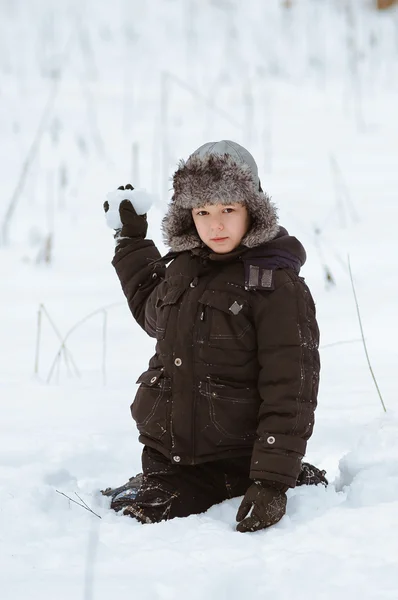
x,y
236,367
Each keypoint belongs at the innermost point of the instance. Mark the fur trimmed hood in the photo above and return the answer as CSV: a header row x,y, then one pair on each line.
x,y
217,173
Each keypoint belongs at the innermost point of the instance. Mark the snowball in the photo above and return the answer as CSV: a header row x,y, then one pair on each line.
x,y
112,217
140,199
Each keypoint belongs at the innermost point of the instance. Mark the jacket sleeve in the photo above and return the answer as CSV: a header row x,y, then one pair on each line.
x,y
288,340
139,278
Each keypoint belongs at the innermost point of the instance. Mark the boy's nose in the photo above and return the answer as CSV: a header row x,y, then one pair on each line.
x,y
217,226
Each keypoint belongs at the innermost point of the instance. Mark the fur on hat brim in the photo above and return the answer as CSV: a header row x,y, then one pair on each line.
x,y
216,179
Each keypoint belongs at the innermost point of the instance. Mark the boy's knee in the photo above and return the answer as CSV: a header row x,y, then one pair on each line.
x,y
152,504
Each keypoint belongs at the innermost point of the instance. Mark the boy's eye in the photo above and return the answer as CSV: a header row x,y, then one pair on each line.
x,y
202,213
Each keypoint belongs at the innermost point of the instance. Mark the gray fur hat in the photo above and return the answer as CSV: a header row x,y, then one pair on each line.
x,y
217,173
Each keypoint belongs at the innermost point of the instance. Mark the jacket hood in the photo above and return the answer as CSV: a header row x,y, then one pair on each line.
x,y
217,173
283,252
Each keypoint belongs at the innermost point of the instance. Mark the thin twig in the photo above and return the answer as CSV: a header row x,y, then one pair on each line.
x,y
85,506
80,322
343,196
316,233
58,366
34,147
82,501
17,193
363,337
38,335
54,365
353,63
206,101
327,272
67,352
339,343
65,355
90,99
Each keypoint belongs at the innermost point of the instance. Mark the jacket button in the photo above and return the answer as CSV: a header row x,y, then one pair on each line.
x,y
153,379
271,439
176,458
178,362
194,282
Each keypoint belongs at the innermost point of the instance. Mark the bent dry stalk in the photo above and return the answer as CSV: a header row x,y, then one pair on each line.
x,y
363,337
82,504
62,348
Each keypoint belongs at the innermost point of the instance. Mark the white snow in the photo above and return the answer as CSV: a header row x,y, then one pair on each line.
x,y
127,90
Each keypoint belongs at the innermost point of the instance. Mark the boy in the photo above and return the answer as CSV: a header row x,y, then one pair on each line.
x,y
227,404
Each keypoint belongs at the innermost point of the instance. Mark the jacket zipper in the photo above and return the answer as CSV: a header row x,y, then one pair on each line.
x,y
202,318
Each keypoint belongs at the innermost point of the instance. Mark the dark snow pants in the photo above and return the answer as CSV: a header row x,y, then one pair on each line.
x,y
166,490
169,490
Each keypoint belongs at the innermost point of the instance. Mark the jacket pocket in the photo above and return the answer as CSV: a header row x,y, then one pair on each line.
x,y
150,407
226,322
164,306
232,411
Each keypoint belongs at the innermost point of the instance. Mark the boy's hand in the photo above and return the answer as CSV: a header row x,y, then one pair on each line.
x,y
268,504
310,475
125,211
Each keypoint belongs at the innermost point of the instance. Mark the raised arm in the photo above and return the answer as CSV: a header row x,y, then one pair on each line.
x,y
125,211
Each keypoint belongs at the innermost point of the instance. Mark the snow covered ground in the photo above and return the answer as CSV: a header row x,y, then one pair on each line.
x,y
126,89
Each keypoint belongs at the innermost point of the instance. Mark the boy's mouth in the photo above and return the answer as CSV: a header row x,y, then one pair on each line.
x,y
219,239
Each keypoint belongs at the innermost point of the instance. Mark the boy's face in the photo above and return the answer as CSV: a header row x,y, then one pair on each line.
x,y
221,226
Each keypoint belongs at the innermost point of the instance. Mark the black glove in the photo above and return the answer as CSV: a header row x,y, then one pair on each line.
x,y
268,504
132,225
310,475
